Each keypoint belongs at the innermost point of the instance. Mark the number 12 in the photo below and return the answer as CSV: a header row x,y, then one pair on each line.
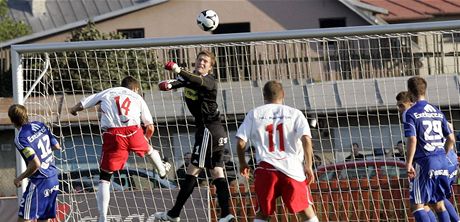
x,y
271,141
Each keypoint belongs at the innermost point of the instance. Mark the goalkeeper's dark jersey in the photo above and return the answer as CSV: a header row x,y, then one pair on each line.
x,y
200,94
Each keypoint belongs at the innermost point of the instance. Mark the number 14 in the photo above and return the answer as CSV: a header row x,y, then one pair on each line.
x,y
271,141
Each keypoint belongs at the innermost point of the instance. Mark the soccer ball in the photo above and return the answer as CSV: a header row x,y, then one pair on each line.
x,y
207,20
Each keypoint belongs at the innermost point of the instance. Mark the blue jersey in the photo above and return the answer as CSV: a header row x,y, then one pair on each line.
x,y
35,140
428,124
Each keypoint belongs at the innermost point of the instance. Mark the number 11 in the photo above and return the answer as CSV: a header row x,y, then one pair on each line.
x,y
271,142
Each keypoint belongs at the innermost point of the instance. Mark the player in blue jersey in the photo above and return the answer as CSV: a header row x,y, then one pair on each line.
x,y
429,138
35,143
404,101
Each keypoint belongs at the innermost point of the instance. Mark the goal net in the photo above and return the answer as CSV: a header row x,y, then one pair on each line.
x,y
344,82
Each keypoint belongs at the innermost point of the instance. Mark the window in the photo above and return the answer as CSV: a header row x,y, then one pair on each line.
x,y
452,38
332,45
357,173
233,61
332,22
132,33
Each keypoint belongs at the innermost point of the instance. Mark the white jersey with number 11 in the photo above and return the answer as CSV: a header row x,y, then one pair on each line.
x,y
275,131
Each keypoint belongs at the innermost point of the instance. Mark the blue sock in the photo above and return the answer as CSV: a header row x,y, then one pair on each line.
x,y
421,215
443,216
431,216
451,210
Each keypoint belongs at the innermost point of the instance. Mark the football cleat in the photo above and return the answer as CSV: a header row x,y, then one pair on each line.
x,y
228,218
163,216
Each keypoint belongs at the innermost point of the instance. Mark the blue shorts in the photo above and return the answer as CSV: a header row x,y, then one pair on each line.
x,y
39,199
431,183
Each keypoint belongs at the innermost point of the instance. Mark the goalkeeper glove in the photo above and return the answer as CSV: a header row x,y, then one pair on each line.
x,y
165,85
172,66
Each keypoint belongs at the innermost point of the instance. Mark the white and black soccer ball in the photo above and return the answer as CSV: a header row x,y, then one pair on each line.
x,y
207,20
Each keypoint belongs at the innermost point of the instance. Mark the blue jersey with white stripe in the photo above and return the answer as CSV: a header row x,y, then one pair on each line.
x,y
35,139
428,124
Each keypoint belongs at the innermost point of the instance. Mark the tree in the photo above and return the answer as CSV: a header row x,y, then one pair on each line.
x,y
78,71
10,29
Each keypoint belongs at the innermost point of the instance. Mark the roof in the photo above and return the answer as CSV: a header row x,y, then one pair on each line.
x,y
64,15
415,10
57,13
366,11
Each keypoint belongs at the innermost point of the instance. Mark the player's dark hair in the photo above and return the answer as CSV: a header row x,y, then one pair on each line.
x,y
130,83
417,86
273,90
405,96
209,54
18,115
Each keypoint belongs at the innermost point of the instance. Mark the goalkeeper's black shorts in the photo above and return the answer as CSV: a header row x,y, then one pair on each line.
x,y
210,143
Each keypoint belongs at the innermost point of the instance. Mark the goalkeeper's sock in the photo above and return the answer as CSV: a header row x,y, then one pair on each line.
x,y
421,215
223,196
431,216
103,199
443,216
451,210
157,162
184,193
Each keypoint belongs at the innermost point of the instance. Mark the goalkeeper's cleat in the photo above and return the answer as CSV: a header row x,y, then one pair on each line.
x,y
163,216
167,167
228,218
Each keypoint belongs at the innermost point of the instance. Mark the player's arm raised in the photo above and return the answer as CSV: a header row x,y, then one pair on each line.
x,y
77,108
169,84
90,101
198,80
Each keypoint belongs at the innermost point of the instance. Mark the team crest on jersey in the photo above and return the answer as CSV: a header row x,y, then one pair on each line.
x,y
429,108
35,127
190,94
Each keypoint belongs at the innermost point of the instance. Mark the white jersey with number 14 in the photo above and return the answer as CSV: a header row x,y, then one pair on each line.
x,y
120,107
275,131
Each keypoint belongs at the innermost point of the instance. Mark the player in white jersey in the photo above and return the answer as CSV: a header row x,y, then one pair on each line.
x,y
284,154
123,111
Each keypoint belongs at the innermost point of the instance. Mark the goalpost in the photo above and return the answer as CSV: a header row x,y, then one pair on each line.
x,y
344,79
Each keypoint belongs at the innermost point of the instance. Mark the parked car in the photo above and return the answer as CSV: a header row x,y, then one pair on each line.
x,y
362,169
87,180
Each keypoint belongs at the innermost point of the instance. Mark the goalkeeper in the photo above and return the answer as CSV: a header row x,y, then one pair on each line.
x,y
200,92
123,109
